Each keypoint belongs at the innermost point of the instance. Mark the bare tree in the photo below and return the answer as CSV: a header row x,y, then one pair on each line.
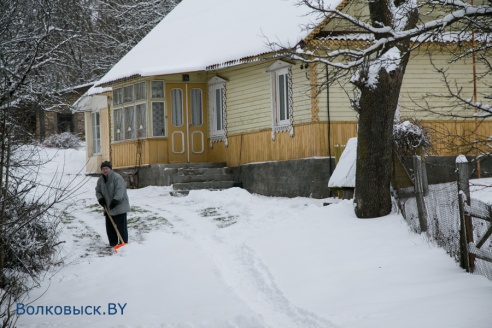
x,y
392,29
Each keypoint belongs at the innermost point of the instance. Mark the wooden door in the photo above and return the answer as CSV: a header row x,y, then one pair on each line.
x,y
187,126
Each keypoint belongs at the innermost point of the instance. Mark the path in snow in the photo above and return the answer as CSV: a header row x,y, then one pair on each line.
x,y
239,266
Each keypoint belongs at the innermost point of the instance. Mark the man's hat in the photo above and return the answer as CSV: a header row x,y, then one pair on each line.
x,y
106,164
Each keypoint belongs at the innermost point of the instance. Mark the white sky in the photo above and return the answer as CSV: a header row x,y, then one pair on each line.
x,y
289,263
200,33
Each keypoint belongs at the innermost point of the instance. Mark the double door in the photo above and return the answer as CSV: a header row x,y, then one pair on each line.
x,y
187,124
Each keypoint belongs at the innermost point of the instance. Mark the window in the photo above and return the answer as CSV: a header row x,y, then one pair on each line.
x,y
140,91
128,94
119,132
281,80
141,117
196,107
158,109
282,94
96,133
177,107
158,119
157,89
130,122
217,105
117,96
130,111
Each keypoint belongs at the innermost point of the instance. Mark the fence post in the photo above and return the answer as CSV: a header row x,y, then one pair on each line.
x,y
425,183
419,192
466,230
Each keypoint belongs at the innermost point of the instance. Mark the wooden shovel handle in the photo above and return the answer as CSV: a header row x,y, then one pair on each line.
x,y
114,225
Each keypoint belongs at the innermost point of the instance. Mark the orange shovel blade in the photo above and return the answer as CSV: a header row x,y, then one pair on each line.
x,y
118,247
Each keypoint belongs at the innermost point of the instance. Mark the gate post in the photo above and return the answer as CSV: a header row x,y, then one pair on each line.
x,y
466,230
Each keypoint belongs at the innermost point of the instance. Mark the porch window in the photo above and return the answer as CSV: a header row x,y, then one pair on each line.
x,y
96,133
217,105
130,111
158,119
281,86
141,117
118,96
128,93
130,122
157,89
140,91
119,132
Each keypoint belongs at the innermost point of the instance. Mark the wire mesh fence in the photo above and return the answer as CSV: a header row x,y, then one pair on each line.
x,y
443,215
443,222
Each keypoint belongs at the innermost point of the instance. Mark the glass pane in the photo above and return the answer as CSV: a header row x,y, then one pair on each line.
x,y
281,97
157,89
218,108
177,107
158,126
196,107
129,122
128,93
140,91
119,132
118,96
141,121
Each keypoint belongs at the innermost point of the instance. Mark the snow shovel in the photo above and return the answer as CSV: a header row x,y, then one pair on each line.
x,y
116,247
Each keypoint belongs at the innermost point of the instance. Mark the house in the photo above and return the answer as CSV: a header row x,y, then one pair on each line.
x,y
90,108
204,86
60,117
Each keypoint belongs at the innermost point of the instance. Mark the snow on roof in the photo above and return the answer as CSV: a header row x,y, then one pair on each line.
x,y
198,33
89,103
344,173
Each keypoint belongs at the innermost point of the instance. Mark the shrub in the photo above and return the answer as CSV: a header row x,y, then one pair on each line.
x,y
63,140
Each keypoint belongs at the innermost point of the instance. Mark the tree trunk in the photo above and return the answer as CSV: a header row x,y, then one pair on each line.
x,y
374,146
376,106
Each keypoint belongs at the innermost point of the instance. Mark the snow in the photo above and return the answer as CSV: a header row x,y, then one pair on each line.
x,y
234,259
344,173
461,159
197,34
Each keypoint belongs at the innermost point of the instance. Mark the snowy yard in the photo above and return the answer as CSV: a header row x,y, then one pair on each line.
x,y
232,259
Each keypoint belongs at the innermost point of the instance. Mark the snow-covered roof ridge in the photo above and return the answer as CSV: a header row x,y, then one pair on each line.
x,y
198,34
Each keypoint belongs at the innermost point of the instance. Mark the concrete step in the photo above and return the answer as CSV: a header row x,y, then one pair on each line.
x,y
196,165
202,178
203,171
203,185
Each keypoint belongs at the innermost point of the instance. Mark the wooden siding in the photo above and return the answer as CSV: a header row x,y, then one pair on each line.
x,y
421,80
310,140
454,137
154,151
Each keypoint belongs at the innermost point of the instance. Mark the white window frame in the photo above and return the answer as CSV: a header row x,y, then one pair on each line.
x,y
217,133
96,132
281,69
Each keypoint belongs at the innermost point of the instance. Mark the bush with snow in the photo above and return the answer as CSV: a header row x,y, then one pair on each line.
x,y
63,140
409,136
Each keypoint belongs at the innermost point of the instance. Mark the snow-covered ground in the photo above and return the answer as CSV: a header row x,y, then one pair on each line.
x,y
233,259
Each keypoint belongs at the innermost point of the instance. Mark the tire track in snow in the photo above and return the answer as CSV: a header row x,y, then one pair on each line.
x,y
246,274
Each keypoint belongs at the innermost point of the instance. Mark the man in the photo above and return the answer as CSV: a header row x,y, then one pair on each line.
x,y
111,193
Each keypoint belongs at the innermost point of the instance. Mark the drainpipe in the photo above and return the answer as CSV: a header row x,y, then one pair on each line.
x,y
328,111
